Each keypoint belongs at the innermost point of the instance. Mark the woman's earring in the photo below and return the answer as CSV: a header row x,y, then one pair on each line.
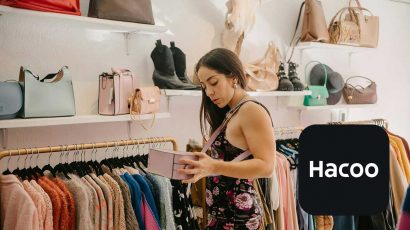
x,y
235,85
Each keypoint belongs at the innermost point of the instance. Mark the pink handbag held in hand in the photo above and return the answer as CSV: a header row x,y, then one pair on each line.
x,y
114,91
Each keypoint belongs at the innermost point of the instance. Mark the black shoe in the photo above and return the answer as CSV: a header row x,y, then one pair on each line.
x,y
284,82
293,76
164,74
180,63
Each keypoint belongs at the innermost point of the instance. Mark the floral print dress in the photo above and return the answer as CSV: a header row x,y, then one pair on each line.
x,y
231,202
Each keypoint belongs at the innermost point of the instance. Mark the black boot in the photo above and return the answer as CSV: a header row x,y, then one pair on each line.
x,y
164,74
180,63
284,82
293,76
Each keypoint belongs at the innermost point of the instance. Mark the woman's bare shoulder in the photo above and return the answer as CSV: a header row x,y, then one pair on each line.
x,y
253,112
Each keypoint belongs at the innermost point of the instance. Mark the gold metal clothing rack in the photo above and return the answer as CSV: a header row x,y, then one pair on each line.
x,y
380,122
283,131
108,144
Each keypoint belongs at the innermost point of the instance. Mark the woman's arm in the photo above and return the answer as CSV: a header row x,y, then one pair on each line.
x,y
258,132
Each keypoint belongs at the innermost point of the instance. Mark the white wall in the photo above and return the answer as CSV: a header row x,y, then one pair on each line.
x,y
44,45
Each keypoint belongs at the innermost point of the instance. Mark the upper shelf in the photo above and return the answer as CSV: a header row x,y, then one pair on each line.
x,y
172,92
80,119
95,23
327,46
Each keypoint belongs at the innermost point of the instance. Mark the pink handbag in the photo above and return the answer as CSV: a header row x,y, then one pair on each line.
x,y
114,91
145,100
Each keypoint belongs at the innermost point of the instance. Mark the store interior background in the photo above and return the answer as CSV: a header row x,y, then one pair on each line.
x,y
45,45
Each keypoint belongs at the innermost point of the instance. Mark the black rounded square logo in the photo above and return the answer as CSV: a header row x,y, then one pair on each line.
x,y
343,169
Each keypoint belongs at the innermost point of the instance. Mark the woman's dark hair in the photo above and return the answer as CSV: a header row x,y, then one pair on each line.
x,y
225,62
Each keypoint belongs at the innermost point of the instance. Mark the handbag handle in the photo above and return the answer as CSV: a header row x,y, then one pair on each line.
x,y
57,77
357,2
347,80
133,115
324,68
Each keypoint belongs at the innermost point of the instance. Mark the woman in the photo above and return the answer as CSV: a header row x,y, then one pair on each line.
x,y
230,195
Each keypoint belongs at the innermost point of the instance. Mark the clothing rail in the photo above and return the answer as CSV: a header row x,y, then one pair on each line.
x,y
380,122
108,144
283,131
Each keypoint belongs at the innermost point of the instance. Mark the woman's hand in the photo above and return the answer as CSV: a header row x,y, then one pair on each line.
x,y
203,167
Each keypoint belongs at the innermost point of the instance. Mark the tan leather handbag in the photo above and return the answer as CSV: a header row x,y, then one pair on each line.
x,y
356,27
314,27
344,28
139,11
357,94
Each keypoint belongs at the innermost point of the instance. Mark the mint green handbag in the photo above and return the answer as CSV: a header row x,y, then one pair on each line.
x,y
319,92
52,96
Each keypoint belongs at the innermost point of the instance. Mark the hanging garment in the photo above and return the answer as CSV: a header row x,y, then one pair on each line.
x,y
18,210
398,182
404,220
401,155
136,197
96,203
165,201
108,199
48,221
55,201
82,202
130,218
64,214
38,202
70,203
118,201
103,203
148,195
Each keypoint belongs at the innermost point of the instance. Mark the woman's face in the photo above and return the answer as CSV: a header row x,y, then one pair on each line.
x,y
217,86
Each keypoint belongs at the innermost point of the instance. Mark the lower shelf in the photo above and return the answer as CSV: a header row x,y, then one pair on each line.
x,y
80,119
329,107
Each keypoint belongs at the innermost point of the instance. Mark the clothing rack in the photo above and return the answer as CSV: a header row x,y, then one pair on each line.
x,y
283,131
108,144
380,122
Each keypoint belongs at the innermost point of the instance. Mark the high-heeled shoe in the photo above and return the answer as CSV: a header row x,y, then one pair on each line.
x,y
284,82
293,76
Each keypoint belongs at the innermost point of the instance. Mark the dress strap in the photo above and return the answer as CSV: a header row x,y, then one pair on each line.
x,y
235,109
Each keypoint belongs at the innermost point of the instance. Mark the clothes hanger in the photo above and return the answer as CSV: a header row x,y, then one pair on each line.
x,y
97,165
17,170
105,161
37,169
7,172
48,166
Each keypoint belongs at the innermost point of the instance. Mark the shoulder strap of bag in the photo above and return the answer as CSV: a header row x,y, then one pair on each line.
x,y
324,68
294,34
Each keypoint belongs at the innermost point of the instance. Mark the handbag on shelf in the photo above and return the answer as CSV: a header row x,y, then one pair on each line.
x,y
314,27
52,96
53,6
344,28
354,25
114,91
145,100
11,99
368,25
261,75
357,94
319,92
138,11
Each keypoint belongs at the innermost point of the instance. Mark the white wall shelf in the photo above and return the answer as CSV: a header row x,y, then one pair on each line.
x,y
171,92
327,46
330,107
94,23
80,119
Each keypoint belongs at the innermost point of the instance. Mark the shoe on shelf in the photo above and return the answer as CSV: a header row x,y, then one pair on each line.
x,y
164,74
284,83
180,63
293,76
